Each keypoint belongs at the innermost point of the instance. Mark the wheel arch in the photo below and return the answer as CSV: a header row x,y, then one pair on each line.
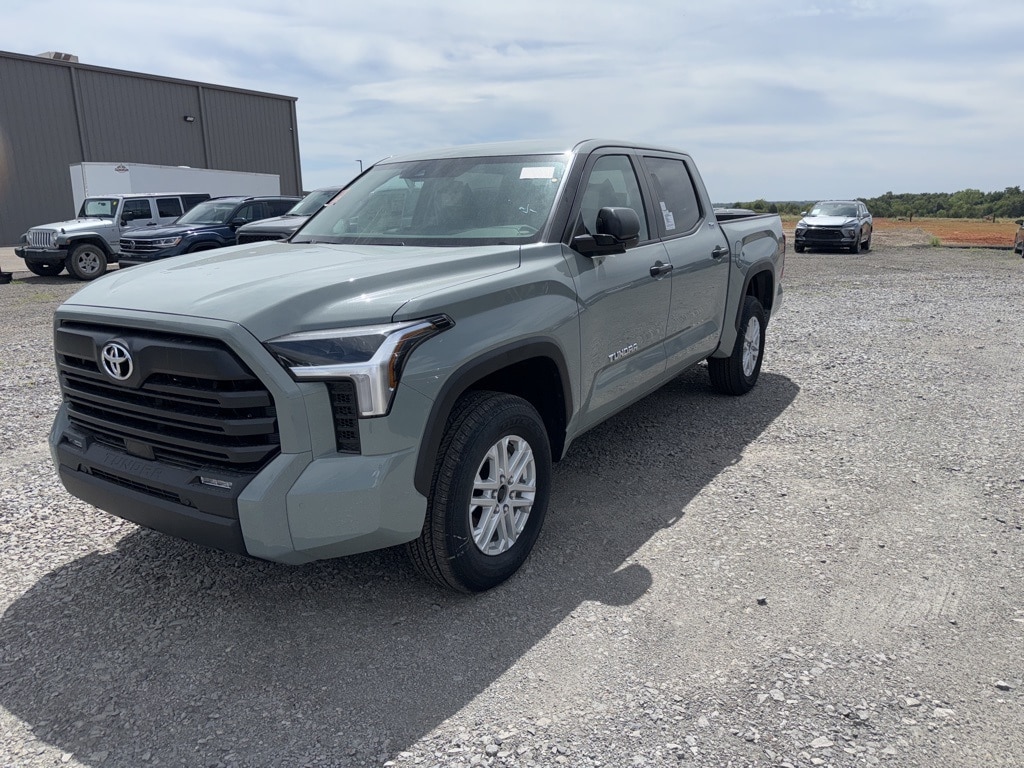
x,y
88,238
534,370
760,284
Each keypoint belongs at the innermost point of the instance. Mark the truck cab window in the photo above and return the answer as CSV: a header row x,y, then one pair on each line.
x,y
612,183
676,196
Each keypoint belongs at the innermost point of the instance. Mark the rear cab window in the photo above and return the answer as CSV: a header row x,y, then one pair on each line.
x,y
677,205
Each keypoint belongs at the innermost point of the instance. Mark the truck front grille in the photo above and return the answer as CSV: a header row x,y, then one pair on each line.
x,y
822,234
189,401
41,238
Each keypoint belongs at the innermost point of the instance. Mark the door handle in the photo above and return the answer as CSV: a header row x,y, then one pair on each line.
x,y
660,270
719,252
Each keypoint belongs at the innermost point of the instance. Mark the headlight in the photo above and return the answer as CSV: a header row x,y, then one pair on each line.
x,y
371,356
801,224
849,231
165,242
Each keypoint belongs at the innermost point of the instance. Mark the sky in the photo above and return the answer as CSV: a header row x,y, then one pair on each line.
x,y
786,100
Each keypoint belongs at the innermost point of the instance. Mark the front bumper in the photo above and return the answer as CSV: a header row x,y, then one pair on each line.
x,y
40,255
295,510
823,238
130,259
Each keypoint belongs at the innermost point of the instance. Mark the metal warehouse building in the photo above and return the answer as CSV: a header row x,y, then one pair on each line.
x,y
55,112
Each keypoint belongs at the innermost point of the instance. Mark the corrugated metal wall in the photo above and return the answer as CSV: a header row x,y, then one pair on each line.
x,y
38,130
54,114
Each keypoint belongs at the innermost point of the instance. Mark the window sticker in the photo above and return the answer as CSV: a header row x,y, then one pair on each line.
x,y
670,219
538,172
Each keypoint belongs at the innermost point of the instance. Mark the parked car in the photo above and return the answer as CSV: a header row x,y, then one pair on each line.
x,y
1018,241
212,224
85,245
845,224
283,227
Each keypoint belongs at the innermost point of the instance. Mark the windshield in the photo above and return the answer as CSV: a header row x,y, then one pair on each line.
x,y
210,212
834,209
455,201
99,207
312,202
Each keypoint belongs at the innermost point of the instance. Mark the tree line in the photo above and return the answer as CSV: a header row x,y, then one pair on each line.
x,y
965,204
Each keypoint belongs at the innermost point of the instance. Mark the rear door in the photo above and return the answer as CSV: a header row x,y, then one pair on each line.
x,y
698,251
624,305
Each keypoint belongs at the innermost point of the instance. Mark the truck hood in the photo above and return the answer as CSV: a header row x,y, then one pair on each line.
x,y
828,221
274,288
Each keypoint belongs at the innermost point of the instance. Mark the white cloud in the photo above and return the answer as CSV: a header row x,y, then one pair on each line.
x,y
812,98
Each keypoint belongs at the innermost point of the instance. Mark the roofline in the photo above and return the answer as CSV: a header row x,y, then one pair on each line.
x,y
524,147
141,75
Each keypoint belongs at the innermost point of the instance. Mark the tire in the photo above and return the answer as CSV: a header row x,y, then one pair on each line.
x,y
200,247
45,270
461,545
737,374
866,245
798,248
855,248
87,261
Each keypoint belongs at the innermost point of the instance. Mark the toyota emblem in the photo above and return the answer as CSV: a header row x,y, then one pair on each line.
x,y
117,361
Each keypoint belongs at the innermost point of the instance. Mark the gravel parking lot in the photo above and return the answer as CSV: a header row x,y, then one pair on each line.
x,y
827,571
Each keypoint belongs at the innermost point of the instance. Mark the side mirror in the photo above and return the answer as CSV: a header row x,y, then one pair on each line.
x,y
237,222
617,230
1019,222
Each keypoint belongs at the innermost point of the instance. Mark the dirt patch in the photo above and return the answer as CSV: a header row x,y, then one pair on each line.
x,y
923,231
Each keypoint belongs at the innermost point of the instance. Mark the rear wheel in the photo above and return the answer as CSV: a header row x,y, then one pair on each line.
x,y
45,270
488,496
737,374
87,261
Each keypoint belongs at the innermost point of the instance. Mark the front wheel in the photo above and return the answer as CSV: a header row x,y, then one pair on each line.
x,y
737,374
867,243
488,496
855,246
45,270
87,261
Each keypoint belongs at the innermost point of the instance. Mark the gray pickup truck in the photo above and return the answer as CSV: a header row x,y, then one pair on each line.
x,y
406,368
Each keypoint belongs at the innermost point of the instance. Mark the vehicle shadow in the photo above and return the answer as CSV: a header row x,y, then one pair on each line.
x,y
163,652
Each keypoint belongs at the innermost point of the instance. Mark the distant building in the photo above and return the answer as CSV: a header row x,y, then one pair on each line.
x,y
55,111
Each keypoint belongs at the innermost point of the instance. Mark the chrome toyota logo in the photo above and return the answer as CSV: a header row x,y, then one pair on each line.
x,y
117,361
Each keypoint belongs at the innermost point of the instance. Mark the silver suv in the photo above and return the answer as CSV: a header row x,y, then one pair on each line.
x,y
86,244
845,224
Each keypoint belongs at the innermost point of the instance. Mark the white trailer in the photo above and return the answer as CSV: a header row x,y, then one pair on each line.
x,y
92,179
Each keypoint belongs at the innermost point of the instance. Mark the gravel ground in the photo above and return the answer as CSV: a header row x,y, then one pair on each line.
x,y
824,572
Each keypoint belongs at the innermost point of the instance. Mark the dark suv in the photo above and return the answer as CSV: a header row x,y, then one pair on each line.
x,y
209,225
845,224
283,227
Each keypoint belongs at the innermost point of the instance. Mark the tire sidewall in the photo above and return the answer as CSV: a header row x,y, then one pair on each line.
x,y
73,259
751,309
474,570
